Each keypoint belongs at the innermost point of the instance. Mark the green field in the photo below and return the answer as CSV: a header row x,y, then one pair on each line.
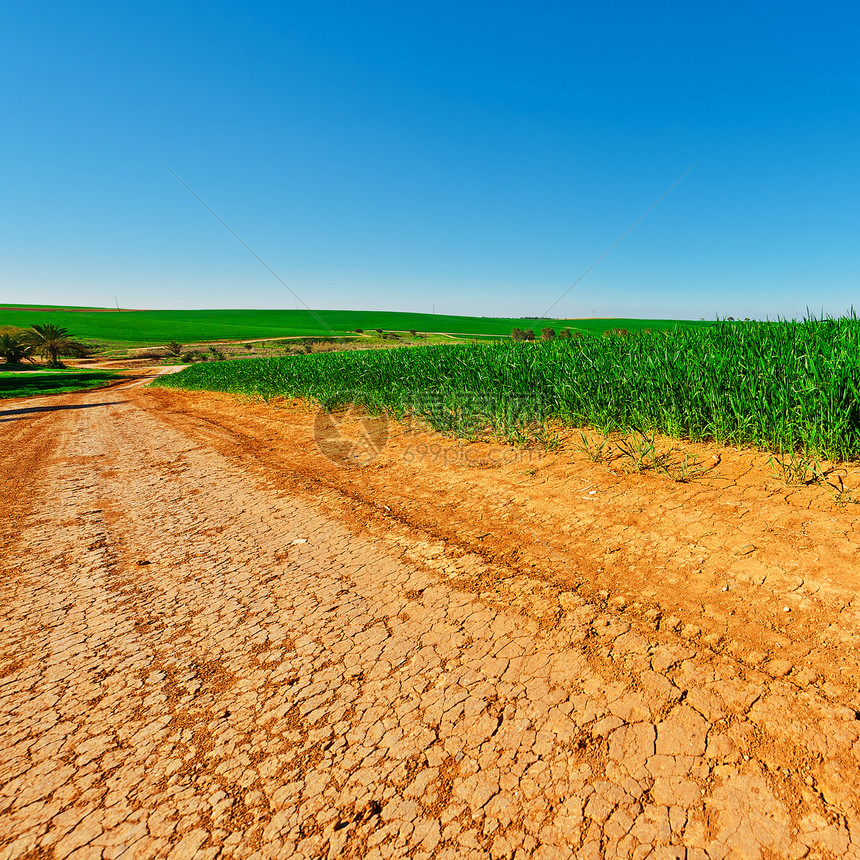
x,y
35,382
782,386
150,328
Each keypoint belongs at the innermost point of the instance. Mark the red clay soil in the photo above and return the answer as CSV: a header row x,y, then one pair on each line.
x,y
218,642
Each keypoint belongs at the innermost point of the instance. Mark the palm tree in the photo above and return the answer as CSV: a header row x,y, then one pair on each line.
x,y
51,341
13,350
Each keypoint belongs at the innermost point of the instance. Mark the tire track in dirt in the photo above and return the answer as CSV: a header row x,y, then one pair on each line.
x,y
789,607
26,445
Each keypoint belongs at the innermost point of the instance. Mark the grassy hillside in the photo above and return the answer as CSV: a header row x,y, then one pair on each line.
x,y
156,327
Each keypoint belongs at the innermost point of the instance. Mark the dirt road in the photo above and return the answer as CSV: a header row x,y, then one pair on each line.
x,y
215,648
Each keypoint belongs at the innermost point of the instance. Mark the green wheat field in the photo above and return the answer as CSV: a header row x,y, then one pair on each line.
x,y
153,328
782,386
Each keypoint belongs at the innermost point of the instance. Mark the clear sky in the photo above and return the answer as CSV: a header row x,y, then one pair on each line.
x,y
467,157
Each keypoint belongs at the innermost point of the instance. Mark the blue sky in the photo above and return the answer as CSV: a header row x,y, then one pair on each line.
x,y
466,157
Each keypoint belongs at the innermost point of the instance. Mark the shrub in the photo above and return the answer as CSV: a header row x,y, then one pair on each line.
x,y
13,350
148,352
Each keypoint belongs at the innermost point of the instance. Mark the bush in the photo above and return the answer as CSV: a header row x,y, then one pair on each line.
x,y
78,350
547,333
12,331
148,352
14,350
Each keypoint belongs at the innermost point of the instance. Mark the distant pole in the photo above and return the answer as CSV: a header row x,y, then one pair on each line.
x,y
117,302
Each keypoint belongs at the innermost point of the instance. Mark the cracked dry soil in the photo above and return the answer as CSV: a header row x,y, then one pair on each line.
x,y
215,643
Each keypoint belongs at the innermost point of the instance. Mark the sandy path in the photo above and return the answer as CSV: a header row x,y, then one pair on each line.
x,y
193,664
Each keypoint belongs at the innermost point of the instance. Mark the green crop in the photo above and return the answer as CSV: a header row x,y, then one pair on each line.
x,y
155,328
35,382
783,386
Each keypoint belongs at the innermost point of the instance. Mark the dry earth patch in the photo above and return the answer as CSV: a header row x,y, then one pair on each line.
x,y
217,643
